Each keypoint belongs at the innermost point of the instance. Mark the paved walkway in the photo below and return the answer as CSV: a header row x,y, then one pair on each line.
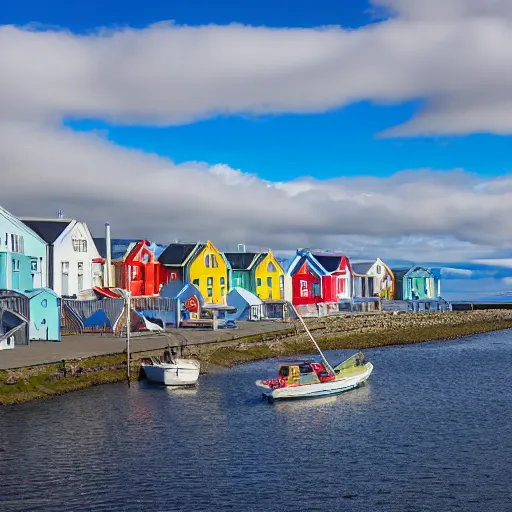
x,y
88,345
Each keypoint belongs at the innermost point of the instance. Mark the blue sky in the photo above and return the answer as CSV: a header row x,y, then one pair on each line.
x,y
326,145
318,135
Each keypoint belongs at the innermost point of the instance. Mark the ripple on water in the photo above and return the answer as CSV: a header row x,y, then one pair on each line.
x,y
431,431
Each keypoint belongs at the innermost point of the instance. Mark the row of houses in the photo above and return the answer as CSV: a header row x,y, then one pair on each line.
x,y
61,256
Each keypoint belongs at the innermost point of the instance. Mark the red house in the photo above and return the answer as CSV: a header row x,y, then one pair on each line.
x,y
319,277
139,271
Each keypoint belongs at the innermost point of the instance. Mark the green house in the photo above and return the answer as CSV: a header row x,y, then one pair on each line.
x,y
241,268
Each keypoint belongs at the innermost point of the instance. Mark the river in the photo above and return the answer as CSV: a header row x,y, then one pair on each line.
x,y
431,431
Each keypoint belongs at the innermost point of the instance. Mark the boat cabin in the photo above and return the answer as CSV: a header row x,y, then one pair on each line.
x,y
299,374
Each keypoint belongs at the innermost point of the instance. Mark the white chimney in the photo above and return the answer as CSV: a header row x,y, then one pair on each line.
x,y
107,279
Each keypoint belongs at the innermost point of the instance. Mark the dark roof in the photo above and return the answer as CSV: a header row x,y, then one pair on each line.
x,y
240,260
361,267
400,272
330,262
176,254
49,230
118,247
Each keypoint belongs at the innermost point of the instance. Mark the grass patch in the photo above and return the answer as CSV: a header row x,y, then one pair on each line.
x,y
230,356
33,383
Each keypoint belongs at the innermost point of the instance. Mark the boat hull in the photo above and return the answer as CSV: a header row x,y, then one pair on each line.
x,y
335,387
184,373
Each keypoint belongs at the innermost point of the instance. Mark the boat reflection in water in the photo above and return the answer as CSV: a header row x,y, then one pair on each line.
x,y
359,396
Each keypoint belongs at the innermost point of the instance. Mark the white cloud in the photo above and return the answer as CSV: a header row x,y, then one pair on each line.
x,y
453,55
424,215
457,60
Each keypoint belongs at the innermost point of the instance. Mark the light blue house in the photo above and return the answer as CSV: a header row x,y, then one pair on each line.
x,y
248,306
421,283
184,296
22,255
44,307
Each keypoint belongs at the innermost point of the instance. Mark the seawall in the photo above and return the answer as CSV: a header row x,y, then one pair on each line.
x,y
338,332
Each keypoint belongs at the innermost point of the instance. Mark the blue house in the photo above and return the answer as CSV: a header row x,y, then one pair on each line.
x,y
44,307
22,255
248,306
185,296
420,283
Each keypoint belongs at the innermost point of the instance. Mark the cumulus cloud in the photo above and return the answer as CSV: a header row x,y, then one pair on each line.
x,y
453,55
456,59
413,214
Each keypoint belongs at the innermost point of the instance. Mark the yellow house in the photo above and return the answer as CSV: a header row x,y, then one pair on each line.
x,y
209,272
269,278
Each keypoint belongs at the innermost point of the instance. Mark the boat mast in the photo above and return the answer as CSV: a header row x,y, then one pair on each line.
x,y
328,367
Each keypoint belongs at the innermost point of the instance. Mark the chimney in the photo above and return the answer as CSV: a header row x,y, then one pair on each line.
x,y
60,214
241,248
107,278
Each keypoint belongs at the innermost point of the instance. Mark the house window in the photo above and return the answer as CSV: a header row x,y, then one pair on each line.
x,y
271,267
209,281
15,265
210,292
222,281
79,245
215,263
17,243
207,261
80,276
34,267
303,288
222,291
316,289
379,269
258,281
195,282
65,278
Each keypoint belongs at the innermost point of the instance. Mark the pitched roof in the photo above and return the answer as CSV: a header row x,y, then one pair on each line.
x,y
118,247
48,229
400,272
330,261
249,297
177,254
241,260
361,267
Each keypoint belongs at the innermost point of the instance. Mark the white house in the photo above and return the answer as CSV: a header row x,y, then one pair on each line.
x,y
382,279
74,263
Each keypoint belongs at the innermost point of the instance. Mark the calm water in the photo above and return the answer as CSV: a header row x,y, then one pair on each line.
x,y
431,431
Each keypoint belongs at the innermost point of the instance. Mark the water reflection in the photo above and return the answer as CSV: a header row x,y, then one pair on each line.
x,y
408,440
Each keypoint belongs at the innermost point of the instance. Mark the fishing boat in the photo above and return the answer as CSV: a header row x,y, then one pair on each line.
x,y
311,379
171,371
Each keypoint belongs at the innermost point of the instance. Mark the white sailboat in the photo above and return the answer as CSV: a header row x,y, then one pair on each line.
x,y
310,379
172,371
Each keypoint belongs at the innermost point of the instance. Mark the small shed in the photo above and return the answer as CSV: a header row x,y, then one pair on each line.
x,y
45,313
420,283
188,298
248,306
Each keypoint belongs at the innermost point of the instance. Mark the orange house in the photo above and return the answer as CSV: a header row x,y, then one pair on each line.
x,y
139,272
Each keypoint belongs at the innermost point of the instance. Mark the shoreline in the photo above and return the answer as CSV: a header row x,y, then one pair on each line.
x,y
24,384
